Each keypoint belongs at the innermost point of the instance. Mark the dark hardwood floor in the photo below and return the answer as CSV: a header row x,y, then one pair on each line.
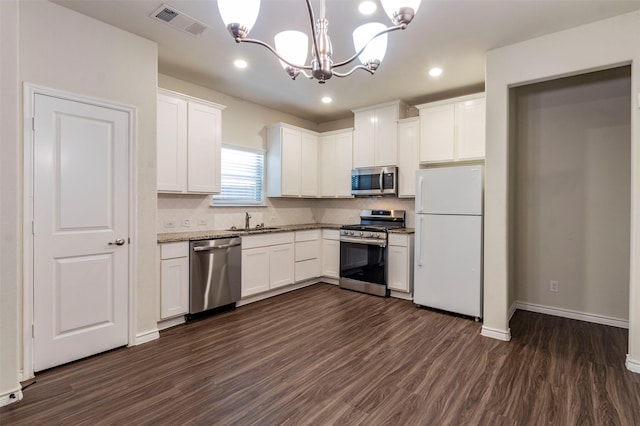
x,y
322,355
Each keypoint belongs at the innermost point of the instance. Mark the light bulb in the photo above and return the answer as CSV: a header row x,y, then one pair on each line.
x,y
376,48
292,46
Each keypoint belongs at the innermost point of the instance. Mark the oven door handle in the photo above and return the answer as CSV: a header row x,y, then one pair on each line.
x,y
380,243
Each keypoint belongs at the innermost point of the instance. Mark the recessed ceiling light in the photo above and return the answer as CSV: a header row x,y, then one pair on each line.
x,y
367,7
435,72
327,100
240,63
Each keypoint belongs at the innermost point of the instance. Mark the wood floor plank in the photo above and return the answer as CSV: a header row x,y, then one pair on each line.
x,y
322,355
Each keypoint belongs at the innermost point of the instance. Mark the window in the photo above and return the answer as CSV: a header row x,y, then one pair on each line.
x,y
242,177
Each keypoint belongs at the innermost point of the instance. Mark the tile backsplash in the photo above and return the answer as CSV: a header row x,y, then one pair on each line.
x,y
180,213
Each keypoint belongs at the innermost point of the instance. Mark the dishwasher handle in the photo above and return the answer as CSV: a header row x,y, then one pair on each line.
x,y
212,244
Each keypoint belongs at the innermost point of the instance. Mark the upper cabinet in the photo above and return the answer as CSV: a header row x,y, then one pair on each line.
x,y
189,138
335,163
375,138
453,130
408,162
292,161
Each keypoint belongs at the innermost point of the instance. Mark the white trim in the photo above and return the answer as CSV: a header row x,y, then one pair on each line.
x,y
276,292
400,295
632,365
512,310
494,333
146,337
568,313
171,322
10,397
29,93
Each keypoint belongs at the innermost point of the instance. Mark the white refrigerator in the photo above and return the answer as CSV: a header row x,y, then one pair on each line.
x,y
448,244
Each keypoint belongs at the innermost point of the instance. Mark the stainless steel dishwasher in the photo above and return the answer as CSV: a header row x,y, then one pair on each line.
x,y
214,273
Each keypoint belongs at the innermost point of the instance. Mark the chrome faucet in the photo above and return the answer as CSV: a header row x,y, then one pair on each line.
x,y
247,216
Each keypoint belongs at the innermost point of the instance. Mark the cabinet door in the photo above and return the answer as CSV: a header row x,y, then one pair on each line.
x,y
331,258
437,133
398,268
255,271
204,135
327,148
470,125
308,165
363,138
386,136
281,269
408,141
174,287
172,144
290,157
343,164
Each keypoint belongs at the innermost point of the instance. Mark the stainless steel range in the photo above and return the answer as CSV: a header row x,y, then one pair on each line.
x,y
363,251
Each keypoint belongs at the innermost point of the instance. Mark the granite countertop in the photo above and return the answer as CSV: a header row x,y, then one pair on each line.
x,y
172,237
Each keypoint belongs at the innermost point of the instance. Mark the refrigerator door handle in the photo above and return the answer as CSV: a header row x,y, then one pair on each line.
x,y
420,237
420,182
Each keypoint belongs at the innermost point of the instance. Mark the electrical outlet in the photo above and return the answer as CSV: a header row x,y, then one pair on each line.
x,y
553,286
186,223
202,222
169,224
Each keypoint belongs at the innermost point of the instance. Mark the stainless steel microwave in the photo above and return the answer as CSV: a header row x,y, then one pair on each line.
x,y
374,181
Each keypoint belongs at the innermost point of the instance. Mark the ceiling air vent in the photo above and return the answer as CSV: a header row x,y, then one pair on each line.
x,y
178,20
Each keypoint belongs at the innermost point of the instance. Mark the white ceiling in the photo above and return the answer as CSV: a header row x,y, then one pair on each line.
x,y
452,34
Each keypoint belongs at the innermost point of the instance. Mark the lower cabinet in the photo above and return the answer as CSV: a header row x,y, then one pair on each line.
x,y
174,279
267,262
308,254
400,258
331,253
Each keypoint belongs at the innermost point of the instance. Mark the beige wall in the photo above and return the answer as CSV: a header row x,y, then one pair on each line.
x,y
10,222
572,185
61,49
599,45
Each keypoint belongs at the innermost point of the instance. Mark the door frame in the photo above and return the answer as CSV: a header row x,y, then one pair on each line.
x,y
29,92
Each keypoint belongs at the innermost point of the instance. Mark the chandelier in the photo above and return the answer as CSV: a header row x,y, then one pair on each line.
x,y
370,40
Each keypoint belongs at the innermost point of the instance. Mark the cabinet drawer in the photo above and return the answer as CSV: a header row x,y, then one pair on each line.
x,y
398,240
173,250
307,269
265,240
306,250
310,235
331,234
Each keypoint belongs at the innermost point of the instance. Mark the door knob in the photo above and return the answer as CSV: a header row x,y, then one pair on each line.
x,y
117,242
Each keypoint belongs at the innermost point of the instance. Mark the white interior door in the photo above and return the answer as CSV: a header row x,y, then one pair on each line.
x,y
81,227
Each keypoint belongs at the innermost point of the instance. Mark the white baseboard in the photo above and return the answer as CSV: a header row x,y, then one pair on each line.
x,y
494,333
568,313
171,322
401,295
632,365
147,336
10,397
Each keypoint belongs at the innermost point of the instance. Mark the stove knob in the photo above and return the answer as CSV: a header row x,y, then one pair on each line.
x,y
361,234
350,232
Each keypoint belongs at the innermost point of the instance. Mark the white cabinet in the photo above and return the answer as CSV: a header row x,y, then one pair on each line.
x,y
292,161
331,253
308,254
400,258
174,279
189,136
453,130
375,137
267,262
335,163
408,162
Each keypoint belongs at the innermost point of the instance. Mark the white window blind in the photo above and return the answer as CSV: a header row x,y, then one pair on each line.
x,y
242,177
